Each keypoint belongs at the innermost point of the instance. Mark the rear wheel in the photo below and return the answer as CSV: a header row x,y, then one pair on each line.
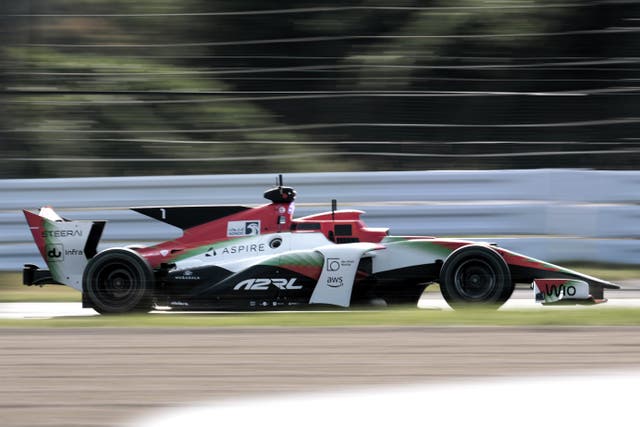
x,y
475,276
118,280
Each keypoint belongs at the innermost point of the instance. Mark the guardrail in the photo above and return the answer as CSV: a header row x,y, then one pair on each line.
x,y
557,215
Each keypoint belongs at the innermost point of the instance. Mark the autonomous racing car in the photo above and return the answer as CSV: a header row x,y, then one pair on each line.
x,y
262,258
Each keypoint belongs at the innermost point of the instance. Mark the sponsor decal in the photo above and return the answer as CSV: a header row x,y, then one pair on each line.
x,y
250,248
243,228
346,262
61,233
281,210
557,291
554,290
55,252
568,290
263,284
335,282
187,275
164,252
333,264
211,252
179,303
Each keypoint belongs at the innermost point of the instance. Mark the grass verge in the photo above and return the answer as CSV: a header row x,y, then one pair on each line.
x,y
12,290
584,316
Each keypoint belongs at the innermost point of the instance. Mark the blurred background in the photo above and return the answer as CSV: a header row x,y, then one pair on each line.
x,y
438,117
153,87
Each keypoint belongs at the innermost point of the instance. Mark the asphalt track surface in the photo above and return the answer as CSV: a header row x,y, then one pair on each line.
x,y
105,377
108,377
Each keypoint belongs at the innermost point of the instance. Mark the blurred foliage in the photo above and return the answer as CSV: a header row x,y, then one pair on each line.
x,y
99,88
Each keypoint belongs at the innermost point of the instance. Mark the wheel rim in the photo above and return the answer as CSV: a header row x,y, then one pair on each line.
x,y
475,280
116,284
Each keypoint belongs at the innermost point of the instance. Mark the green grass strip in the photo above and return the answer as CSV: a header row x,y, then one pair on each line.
x,y
584,316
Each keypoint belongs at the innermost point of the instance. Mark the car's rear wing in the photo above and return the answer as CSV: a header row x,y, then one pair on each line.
x,y
65,245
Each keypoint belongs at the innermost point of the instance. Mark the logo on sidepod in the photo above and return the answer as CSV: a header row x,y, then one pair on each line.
x,y
333,264
263,284
335,282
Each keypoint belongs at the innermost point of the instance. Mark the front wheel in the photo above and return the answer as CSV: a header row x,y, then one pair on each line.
x,y
475,275
118,280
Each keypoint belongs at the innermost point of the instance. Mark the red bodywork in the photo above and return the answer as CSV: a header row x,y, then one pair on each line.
x,y
274,218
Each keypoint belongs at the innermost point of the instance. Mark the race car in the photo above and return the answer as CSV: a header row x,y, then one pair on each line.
x,y
261,258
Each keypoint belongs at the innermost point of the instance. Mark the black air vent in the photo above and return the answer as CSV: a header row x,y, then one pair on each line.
x,y
302,226
343,230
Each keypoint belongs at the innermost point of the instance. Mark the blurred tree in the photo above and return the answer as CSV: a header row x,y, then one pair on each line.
x,y
101,87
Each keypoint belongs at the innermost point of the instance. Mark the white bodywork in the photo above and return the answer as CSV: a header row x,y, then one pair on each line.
x,y
550,291
339,272
64,247
237,254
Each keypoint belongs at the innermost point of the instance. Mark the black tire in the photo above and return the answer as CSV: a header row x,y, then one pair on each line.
x,y
118,280
475,276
